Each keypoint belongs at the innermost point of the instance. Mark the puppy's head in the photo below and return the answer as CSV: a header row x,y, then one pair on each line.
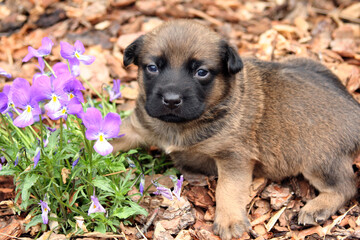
x,y
184,68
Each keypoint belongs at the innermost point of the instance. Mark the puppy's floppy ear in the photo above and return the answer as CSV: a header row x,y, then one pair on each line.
x,y
132,51
231,59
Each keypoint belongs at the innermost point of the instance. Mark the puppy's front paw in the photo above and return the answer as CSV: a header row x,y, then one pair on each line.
x,y
229,226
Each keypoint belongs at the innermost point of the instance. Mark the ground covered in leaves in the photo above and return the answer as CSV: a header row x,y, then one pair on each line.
x,y
328,31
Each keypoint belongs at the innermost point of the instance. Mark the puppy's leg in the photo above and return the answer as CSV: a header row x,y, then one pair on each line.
x,y
134,135
335,182
232,195
193,162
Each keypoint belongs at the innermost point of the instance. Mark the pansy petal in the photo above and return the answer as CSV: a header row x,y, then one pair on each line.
x,y
45,217
86,59
3,102
42,66
78,94
53,105
74,64
41,89
21,91
92,208
60,68
36,110
7,90
103,147
4,73
67,50
75,107
75,69
79,47
92,133
92,118
21,97
20,83
30,54
37,156
73,84
111,125
46,45
24,119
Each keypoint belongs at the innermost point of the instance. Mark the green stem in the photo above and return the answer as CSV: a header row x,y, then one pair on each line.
x,y
60,201
7,128
26,140
32,130
61,134
50,68
92,88
68,206
41,133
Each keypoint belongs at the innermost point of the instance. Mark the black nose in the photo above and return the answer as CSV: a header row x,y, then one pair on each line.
x,y
172,100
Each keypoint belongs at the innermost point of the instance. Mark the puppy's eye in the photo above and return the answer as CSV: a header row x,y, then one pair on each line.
x,y
202,73
152,68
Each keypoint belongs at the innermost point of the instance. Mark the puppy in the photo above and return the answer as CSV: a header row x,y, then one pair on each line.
x,y
217,114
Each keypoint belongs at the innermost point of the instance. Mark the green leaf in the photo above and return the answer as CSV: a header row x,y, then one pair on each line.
x,y
29,181
36,220
132,151
103,183
6,172
100,227
127,211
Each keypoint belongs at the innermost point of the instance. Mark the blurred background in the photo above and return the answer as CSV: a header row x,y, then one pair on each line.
x,y
325,30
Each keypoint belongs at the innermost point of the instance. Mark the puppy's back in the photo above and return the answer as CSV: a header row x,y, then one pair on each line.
x,y
308,117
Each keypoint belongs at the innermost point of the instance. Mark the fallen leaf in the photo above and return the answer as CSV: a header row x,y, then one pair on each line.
x,y
279,195
274,219
65,174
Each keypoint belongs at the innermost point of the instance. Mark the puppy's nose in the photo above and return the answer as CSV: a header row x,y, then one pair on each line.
x,y
172,100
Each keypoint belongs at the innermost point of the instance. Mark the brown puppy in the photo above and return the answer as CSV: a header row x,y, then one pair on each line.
x,y
217,114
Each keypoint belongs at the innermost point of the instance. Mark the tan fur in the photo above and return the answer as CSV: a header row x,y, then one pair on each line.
x,y
270,119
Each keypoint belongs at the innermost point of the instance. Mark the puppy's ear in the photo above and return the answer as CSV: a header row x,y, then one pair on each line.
x,y
231,59
132,51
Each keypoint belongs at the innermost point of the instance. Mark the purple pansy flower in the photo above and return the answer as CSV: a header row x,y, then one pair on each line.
x,y
67,107
142,184
95,206
8,100
164,191
51,90
3,102
16,160
50,129
74,54
41,67
73,88
45,211
100,129
114,92
23,98
4,73
2,161
75,162
36,156
177,187
44,50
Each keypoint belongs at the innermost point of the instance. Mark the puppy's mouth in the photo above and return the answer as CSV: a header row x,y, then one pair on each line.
x,y
172,118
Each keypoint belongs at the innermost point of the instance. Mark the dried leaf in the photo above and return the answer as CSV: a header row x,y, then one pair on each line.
x,y
274,219
65,174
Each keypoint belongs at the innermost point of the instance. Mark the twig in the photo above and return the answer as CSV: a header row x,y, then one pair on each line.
x,y
205,16
148,223
140,234
330,13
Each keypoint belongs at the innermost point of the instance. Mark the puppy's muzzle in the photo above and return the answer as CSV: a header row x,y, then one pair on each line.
x,y
172,100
